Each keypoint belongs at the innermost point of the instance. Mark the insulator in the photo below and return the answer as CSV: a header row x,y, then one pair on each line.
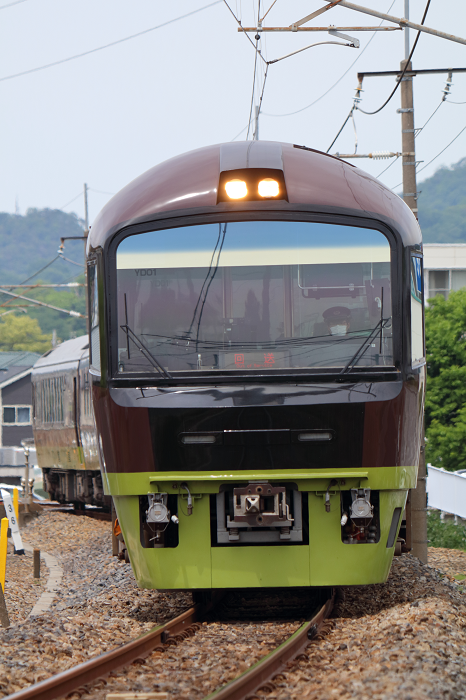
x,y
381,155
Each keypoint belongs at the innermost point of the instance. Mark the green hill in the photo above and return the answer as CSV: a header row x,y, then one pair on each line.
x,y
27,244
442,205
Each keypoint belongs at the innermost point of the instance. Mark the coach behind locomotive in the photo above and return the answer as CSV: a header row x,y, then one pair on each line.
x,y
258,368
63,425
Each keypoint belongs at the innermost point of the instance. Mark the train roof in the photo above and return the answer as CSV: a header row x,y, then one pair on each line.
x,y
67,352
315,181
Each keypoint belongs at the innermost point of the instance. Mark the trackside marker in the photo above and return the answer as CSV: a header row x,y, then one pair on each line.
x,y
3,551
14,527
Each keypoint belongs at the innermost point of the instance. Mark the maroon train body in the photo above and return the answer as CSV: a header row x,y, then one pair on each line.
x,y
216,368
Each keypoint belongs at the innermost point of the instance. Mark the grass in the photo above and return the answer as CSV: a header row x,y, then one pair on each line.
x,y
445,533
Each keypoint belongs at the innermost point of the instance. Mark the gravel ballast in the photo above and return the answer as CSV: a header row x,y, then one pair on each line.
x,y
405,638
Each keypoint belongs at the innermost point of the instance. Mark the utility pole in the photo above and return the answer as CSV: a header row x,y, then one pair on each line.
x,y
86,214
416,508
407,140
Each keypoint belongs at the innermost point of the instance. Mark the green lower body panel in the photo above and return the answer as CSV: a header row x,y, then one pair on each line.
x,y
323,560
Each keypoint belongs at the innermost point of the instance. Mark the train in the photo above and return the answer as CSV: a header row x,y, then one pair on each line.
x,y
64,428
257,368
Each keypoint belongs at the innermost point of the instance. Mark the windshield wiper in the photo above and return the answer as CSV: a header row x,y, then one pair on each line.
x,y
146,352
364,346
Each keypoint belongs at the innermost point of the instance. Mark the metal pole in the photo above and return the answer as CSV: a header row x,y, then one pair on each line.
x,y
256,125
26,485
86,215
86,234
396,20
407,49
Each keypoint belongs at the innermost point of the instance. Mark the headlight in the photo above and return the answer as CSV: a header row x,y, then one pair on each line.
x,y
268,187
236,189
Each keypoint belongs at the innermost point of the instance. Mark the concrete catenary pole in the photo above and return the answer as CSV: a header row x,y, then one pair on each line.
x,y
416,515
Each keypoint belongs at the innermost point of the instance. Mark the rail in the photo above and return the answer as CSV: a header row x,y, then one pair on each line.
x,y
68,681
177,629
263,671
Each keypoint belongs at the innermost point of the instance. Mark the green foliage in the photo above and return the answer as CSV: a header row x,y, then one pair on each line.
x,y
442,205
22,333
445,533
446,385
49,320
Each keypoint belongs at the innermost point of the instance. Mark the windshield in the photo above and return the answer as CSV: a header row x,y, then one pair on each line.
x,y
253,296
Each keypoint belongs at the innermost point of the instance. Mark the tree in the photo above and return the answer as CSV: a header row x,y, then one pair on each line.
x,y
446,381
22,333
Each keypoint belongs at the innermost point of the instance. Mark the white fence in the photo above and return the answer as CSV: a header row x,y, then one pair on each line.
x,y
446,491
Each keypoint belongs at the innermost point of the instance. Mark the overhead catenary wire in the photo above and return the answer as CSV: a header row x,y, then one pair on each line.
x,y
398,83
433,113
350,114
244,32
419,131
289,114
112,43
388,166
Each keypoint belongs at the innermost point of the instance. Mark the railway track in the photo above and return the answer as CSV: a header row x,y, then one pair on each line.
x,y
260,675
94,513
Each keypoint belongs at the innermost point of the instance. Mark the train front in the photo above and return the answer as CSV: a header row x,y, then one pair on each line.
x,y
258,368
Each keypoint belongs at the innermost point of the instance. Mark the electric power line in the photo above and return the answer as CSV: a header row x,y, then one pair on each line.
x,y
35,273
388,166
71,201
10,4
243,129
113,43
244,32
289,114
434,112
443,149
73,262
342,127
404,69
100,191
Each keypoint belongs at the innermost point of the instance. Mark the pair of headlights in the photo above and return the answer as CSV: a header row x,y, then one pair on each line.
x,y
237,189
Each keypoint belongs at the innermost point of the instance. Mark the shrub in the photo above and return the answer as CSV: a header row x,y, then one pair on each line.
x,y
445,533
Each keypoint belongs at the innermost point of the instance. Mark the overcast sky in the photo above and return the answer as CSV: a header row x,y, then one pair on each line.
x,y
107,117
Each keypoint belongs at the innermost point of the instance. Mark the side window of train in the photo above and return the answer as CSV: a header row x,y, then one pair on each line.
x,y
94,315
417,311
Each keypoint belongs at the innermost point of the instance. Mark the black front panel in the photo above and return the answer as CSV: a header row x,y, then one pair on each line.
x,y
274,437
